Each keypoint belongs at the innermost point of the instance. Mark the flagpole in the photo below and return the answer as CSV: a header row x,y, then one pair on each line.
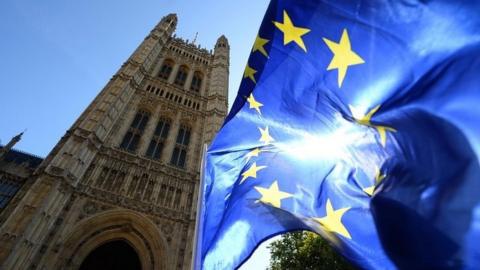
x,y
197,237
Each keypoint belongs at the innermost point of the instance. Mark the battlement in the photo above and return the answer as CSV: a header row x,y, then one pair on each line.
x,y
187,44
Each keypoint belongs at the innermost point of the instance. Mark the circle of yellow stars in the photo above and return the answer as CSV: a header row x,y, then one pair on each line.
x,y
342,59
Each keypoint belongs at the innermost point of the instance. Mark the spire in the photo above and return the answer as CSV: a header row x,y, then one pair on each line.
x,y
10,144
195,38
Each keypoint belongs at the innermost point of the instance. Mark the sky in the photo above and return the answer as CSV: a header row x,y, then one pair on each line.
x,y
56,56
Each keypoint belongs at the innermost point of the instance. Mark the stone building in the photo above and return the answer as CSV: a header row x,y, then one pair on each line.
x,y
119,190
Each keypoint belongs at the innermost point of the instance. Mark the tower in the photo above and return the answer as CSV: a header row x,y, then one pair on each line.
x,y
125,176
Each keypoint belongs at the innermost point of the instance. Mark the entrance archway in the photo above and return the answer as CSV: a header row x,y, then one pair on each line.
x,y
128,226
112,256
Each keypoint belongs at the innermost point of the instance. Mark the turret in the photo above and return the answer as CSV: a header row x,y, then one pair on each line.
x,y
221,62
10,145
168,24
218,90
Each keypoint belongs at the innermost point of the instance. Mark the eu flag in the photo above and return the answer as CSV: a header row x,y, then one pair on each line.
x,y
358,120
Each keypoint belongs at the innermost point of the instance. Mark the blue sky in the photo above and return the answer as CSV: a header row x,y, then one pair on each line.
x,y
56,55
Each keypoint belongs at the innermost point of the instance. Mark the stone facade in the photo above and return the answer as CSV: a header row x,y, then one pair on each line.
x,y
105,180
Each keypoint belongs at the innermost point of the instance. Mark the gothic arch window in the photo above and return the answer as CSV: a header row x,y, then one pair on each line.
x,y
181,75
8,189
181,146
196,84
135,132
166,69
157,143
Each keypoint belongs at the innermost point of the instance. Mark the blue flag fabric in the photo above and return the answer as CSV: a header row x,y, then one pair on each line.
x,y
358,120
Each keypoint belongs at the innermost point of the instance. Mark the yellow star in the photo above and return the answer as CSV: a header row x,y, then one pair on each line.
x,y
365,119
290,32
258,45
272,195
254,104
249,73
369,190
254,153
265,138
252,172
343,56
333,220
378,178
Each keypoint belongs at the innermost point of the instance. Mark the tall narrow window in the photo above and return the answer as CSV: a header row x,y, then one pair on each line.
x,y
166,69
158,140
149,190
133,186
8,189
178,196
110,182
141,186
181,76
196,82
180,151
134,133
170,192
119,181
161,194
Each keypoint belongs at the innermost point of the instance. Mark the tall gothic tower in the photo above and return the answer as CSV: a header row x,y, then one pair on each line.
x,y
123,181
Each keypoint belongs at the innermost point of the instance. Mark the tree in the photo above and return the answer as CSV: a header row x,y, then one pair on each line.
x,y
305,251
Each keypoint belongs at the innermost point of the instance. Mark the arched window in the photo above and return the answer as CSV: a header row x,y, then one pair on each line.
x,y
196,82
134,133
8,189
180,151
166,69
181,76
158,140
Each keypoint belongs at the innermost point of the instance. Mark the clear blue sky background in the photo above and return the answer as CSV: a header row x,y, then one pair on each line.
x,y
56,55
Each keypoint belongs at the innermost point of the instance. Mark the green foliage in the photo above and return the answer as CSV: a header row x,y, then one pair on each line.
x,y
305,251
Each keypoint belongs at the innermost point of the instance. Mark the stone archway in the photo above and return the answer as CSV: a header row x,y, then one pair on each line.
x,y
116,225
113,255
